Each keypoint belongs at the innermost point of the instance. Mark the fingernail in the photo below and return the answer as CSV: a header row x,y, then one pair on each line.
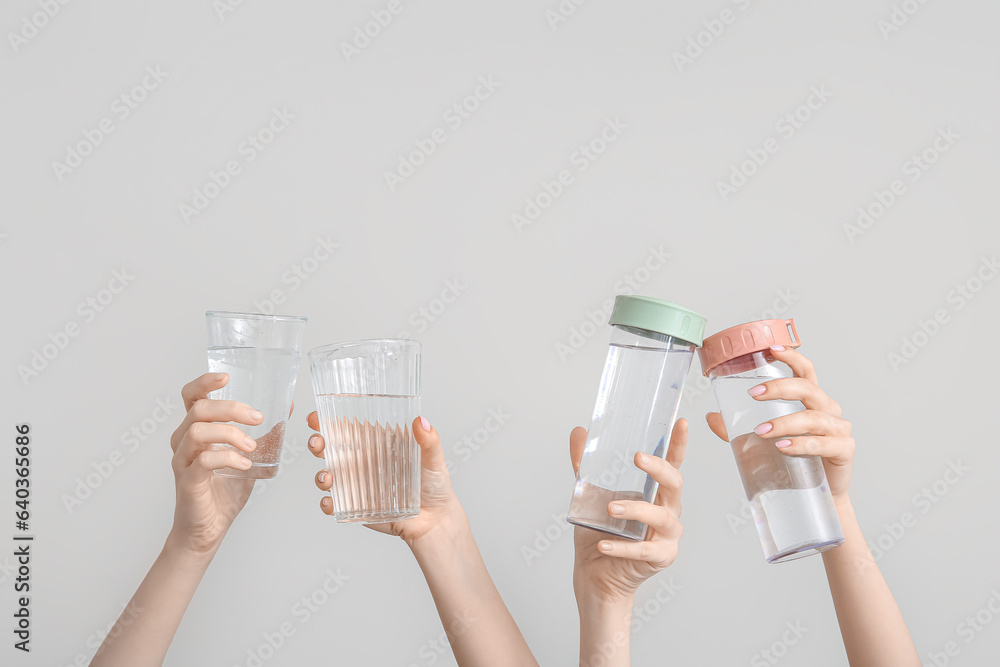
x,y
251,443
247,463
312,441
219,377
783,443
778,348
325,502
322,477
605,546
643,459
256,415
617,509
757,391
424,424
763,428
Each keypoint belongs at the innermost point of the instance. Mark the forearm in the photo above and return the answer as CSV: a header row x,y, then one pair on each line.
x,y
143,632
871,623
479,626
604,629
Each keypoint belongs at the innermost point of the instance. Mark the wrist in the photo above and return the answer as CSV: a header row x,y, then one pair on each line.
x,y
182,547
449,529
593,596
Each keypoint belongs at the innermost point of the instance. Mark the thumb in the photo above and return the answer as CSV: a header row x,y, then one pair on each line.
x,y
577,441
431,454
717,425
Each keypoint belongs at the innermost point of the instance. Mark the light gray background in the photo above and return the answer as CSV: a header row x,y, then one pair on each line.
x,y
495,347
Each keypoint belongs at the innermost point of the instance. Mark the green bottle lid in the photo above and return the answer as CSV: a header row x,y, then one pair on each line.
x,y
664,317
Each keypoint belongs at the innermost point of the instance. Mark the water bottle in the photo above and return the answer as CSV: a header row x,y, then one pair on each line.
x,y
789,495
652,345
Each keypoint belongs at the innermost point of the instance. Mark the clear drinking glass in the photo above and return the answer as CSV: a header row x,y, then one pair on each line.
x,y
261,355
652,345
367,396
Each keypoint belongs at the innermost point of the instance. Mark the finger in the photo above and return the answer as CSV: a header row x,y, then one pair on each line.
x,y
656,552
577,441
837,450
211,410
326,504
312,420
316,445
431,453
668,477
200,387
291,409
661,519
718,426
812,422
324,480
202,435
798,362
796,389
210,460
678,443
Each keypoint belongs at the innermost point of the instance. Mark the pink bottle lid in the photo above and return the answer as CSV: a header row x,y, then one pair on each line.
x,y
745,339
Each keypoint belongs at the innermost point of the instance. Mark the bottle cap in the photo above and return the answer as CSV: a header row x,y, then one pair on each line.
x,y
657,315
745,339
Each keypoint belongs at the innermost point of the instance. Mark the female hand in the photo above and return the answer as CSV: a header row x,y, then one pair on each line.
x,y
207,504
438,503
819,430
614,568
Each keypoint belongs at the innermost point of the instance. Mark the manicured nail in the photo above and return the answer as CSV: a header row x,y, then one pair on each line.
x,y
757,391
605,546
783,443
256,415
764,428
312,441
643,459
322,477
251,443
617,509
424,424
778,348
325,502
